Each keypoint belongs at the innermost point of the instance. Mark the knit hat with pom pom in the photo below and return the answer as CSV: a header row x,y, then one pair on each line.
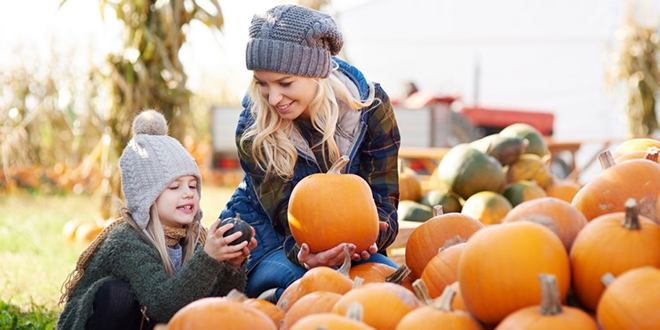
x,y
150,162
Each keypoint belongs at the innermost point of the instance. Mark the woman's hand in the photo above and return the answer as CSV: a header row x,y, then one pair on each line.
x,y
218,246
329,258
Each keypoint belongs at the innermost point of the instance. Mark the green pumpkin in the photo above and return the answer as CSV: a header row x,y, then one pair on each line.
x,y
239,226
413,211
536,140
449,202
522,191
466,171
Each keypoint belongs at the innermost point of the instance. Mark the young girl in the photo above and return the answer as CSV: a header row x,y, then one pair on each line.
x,y
157,257
304,110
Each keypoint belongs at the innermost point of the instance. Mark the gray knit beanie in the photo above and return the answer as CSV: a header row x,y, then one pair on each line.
x,y
294,40
150,162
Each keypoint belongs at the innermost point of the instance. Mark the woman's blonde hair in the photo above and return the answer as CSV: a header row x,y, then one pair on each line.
x,y
271,147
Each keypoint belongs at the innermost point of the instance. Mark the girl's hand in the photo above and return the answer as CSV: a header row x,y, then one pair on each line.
x,y
245,252
329,258
218,246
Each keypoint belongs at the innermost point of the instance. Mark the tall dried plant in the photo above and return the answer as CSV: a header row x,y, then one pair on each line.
x,y
636,67
147,72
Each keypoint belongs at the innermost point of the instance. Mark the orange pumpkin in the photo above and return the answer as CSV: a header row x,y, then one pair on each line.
x,y
560,216
613,243
378,272
351,321
343,200
313,303
410,185
437,314
271,310
457,303
498,269
550,314
563,189
425,240
441,270
607,192
324,278
231,313
385,304
631,301
650,154
290,295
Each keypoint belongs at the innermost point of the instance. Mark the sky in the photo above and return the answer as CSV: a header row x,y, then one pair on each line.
x,y
208,57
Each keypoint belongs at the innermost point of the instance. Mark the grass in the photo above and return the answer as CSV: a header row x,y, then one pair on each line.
x,y
36,259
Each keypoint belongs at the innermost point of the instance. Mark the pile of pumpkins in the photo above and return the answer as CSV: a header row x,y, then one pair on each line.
x,y
84,232
591,263
486,178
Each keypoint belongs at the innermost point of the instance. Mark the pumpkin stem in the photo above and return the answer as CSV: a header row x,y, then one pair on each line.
x,y
607,279
550,300
357,282
437,210
444,302
338,165
238,216
237,296
346,265
355,311
453,241
632,215
399,275
652,154
422,292
606,160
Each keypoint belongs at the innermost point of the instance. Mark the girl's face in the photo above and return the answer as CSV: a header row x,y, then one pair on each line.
x,y
178,204
289,95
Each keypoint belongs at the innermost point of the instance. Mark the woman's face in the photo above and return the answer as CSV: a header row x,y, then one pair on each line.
x,y
289,95
178,204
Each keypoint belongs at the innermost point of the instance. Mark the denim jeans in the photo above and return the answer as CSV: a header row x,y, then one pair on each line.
x,y
276,271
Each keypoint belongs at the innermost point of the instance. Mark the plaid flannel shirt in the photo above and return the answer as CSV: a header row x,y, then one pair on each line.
x,y
378,153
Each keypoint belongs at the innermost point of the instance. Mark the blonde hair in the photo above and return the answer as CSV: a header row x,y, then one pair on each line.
x,y
271,147
157,233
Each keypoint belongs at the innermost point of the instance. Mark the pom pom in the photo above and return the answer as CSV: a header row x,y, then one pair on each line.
x,y
149,122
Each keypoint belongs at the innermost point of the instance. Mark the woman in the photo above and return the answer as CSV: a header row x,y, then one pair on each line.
x,y
304,110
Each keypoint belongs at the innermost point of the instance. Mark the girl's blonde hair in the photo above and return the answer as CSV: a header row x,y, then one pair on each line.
x,y
271,147
157,233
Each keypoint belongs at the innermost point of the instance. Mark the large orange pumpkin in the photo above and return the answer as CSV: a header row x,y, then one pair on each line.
x,y
499,267
210,313
607,192
612,243
631,301
549,314
560,216
326,209
290,295
425,241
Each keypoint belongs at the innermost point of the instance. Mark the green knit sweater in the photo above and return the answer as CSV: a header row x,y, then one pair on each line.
x,y
127,255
